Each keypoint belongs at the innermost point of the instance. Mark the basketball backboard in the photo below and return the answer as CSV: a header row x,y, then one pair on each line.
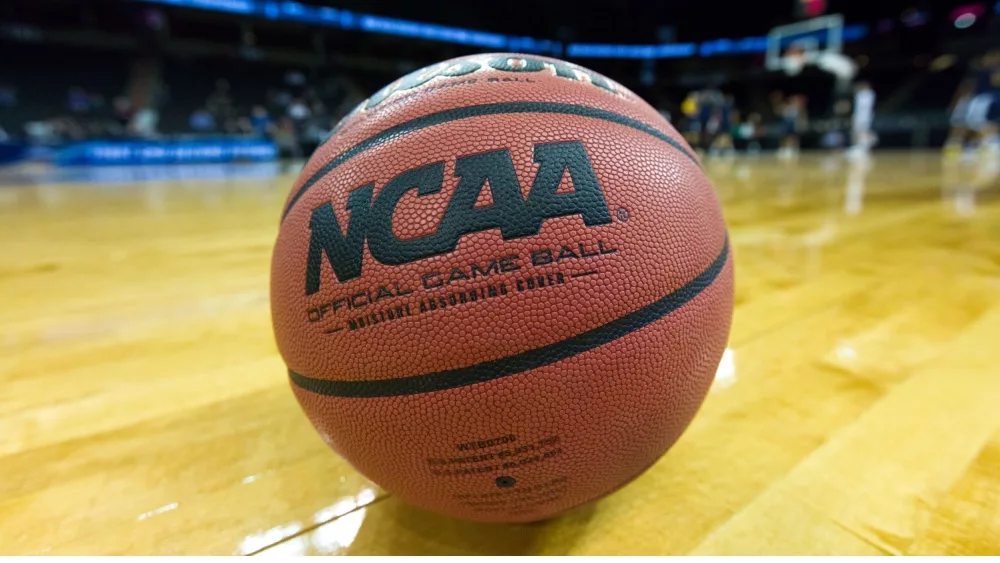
x,y
819,35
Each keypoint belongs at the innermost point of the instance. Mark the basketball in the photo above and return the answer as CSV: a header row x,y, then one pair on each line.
x,y
502,287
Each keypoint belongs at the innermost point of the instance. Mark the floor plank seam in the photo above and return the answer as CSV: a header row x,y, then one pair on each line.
x,y
308,529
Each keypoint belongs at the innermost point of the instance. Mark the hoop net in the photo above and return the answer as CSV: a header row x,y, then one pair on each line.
x,y
793,64
798,55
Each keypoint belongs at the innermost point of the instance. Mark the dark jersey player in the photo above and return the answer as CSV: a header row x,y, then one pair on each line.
x,y
722,144
709,103
792,112
977,113
984,108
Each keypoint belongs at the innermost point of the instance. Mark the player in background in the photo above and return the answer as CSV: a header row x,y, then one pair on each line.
x,y
749,131
975,120
689,107
863,112
976,111
984,107
725,113
839,133
792,110
958,133
709,102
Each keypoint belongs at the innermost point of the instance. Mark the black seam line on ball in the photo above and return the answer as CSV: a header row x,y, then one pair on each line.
x,y
524,361
455,114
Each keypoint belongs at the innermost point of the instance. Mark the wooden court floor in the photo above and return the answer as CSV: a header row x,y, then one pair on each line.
x,y
144,408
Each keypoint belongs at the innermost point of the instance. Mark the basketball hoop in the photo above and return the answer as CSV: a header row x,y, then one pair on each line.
x,y
792,47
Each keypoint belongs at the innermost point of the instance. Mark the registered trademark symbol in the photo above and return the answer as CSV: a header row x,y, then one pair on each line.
x,y
622,214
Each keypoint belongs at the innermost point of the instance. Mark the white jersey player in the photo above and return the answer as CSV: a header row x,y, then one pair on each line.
x,y
863,113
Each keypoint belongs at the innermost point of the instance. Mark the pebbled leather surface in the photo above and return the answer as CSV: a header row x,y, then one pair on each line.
x,y
538,399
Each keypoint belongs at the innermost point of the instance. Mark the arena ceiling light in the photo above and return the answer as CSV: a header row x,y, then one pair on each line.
x,y
965,21
965,17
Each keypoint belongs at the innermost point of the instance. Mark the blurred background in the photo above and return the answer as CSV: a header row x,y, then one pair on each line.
x,y
124,82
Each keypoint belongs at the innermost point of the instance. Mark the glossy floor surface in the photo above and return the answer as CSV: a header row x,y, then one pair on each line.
x,y
144,408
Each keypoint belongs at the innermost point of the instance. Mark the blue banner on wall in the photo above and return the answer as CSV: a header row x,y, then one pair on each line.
x,y
290,10
166,152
